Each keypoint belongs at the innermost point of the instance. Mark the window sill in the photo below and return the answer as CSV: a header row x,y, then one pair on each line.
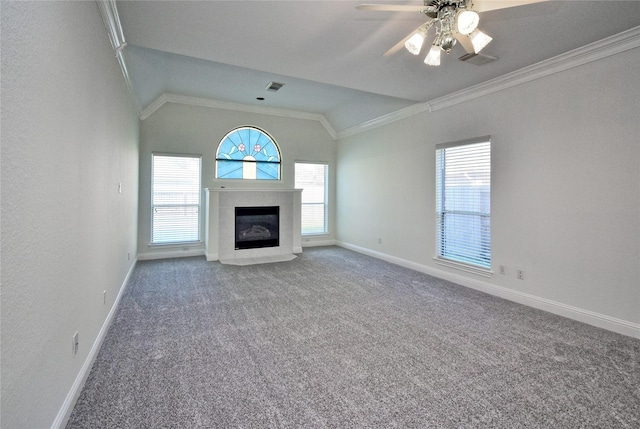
x,y
484,272
177,244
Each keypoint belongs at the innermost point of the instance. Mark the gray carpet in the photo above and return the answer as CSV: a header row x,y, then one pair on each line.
x,y
336,339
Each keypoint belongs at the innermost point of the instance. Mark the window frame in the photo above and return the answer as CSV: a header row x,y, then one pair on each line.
x,y
325,203
153,205
442,257
248,148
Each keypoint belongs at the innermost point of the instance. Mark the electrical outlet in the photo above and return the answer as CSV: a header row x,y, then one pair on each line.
x,y
128,256
379,240
119,188
104,297
520,275
74,344
503,270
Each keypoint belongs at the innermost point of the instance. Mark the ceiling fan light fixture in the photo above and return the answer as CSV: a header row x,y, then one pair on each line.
x,y
479,40
433,57
452,19
467,21
414,44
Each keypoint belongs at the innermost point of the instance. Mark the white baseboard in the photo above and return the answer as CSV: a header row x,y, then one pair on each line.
x,y
67,406
586,316
170,254
317,243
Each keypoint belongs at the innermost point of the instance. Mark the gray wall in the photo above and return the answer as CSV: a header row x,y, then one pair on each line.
x,y
179,128
69,137
565,188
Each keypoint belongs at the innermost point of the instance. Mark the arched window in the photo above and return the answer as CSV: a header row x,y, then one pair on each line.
x,y
248,153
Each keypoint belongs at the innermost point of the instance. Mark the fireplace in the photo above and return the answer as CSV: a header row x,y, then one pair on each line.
x,y
257,227
220,228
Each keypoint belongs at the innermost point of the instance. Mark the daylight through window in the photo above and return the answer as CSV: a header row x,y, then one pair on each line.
x,y
248,153
312,179
463,193
175,202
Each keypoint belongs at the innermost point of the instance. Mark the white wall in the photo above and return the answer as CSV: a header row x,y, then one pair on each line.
x,y
69,137
565,188
179,128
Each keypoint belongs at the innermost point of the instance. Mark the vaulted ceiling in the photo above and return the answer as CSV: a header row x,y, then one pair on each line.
x,y
330,55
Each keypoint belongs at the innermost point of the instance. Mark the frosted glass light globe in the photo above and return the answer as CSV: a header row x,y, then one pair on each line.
x,y
467,21
414,44
433,58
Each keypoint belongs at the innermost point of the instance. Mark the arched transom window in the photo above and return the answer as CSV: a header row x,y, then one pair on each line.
x,y
248,153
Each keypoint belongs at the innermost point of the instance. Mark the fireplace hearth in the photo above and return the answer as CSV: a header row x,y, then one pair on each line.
x,y
257,227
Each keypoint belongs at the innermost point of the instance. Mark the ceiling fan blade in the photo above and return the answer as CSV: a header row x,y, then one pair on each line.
x,y
465,42
395,48
395,7
487,5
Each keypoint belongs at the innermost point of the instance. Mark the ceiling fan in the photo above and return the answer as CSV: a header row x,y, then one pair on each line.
x,y
454,21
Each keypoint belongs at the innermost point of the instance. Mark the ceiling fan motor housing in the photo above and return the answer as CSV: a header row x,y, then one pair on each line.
x,y
435,6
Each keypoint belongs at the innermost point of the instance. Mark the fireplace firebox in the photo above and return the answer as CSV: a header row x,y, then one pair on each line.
x,y
257,227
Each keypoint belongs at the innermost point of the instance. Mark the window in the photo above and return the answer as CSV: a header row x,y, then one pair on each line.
x,y
312,179
175,201
248,153
463,190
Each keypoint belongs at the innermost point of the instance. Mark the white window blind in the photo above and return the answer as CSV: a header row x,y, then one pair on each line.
x,y
312,179
463,194
175,203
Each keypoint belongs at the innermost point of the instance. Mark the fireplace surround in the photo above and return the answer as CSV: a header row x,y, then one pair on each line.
x,y
220,225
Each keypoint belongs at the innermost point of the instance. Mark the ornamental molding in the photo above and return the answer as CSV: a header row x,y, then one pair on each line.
x,y
111,19
618,43
601,49
239,107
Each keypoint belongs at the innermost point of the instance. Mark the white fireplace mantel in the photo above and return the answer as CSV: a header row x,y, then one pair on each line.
x,y
220,221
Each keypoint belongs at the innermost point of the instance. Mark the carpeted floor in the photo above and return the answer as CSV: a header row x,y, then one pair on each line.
x,y
336,339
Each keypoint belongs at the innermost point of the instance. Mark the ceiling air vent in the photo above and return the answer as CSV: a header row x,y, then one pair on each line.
x,y
478,59
274,86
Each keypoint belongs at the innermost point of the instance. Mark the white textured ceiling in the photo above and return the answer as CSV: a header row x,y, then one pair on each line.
x,y
329,55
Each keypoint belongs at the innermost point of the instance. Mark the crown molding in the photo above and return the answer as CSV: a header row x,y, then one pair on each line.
x,y
109,12
153,106
111,19
604,48
226,105
403,113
